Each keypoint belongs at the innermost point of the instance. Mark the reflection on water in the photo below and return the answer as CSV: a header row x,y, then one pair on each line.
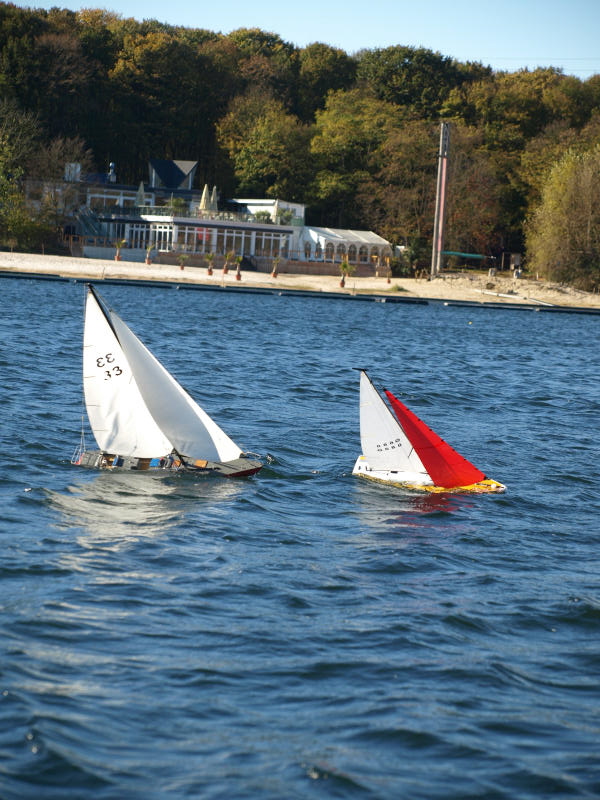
x,y
392,508
123,505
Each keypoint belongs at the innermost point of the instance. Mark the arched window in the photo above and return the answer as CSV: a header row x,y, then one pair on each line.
x,y
329,251
352,254
341,252
307,251
363,254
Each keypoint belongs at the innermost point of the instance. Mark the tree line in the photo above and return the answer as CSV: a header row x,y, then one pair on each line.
x,y
352,136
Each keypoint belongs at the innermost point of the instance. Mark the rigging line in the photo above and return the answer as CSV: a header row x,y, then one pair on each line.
x,y
181,458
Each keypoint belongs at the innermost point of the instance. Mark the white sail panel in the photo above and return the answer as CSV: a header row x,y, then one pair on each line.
x,y
193,433
118,416
384,443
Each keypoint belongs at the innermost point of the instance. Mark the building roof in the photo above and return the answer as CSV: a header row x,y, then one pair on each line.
x,y
345,236
173,174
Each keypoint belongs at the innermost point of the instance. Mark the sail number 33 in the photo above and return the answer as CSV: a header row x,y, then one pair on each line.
x,y
107,364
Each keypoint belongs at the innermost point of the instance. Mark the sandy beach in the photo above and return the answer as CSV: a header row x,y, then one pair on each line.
x,y
457,287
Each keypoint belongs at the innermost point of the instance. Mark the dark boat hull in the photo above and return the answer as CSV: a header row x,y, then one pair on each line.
x,y
97,459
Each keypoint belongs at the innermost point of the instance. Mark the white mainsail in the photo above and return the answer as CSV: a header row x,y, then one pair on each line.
x,y
135,407
118,416
193,433
384,443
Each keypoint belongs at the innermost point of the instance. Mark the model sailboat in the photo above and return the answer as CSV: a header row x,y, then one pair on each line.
x,y
398,448
140,416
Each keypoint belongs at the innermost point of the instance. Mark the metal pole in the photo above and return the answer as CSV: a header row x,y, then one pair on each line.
x,y
440,200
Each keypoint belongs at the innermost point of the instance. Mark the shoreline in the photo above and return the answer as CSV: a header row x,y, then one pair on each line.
x,y
460,289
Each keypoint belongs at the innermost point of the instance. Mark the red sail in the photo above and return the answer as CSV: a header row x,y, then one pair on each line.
x,y
446,467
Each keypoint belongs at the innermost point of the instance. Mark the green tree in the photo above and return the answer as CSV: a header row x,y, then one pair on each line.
x,y
57,82
417,78
321,69
274,159
348,133
151,116
563,235
19,136
514,107
20,228
243,113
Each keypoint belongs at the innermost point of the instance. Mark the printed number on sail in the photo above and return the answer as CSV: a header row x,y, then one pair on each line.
x,y
103,361
381,446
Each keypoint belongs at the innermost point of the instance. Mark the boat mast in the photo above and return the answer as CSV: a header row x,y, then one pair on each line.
x,y
440,200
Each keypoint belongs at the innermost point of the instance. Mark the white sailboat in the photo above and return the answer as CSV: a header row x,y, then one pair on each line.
x,y
140,416
399,448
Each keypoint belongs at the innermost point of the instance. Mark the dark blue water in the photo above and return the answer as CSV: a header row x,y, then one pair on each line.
x,y
302,633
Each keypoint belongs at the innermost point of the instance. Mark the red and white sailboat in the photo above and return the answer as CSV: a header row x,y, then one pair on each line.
x,y
399,448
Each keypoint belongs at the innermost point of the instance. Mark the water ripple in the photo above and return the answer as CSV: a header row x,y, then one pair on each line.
x,y
302,633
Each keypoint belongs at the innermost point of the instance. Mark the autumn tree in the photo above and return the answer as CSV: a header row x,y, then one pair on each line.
x,y
542,152
266,61
59,198
563,236
398,198
473,210
132,90
348,132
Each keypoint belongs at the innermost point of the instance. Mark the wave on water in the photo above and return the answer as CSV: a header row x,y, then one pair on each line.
x,y
302,632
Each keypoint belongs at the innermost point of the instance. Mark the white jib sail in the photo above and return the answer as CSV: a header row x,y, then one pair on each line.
x,y
384,443
118,416
193,433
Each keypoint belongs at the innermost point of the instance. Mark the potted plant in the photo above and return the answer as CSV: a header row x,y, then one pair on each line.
x,y
345,270
149,249
181,260
210,257
238,272
228,257
275,270
118,247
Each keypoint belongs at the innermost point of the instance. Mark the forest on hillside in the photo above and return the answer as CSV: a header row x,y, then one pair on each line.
x,y
353,136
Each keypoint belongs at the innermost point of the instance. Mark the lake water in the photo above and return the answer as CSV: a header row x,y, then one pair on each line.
x,y
302,634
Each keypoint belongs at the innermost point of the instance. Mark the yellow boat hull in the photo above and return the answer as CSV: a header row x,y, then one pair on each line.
x,y
482,487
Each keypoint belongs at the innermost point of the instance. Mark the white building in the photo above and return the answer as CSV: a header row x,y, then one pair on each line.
x,y
168,215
